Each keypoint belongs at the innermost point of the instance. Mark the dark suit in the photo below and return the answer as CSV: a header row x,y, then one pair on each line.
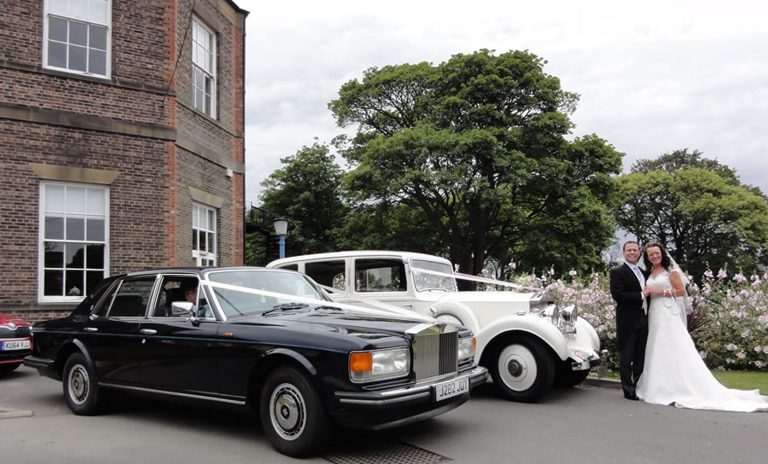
x,y
631,326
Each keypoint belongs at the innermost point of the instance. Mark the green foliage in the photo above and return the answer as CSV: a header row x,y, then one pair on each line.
x,y
697,209
307,192
476,147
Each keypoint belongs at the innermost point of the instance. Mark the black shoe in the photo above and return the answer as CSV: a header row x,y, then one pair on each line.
x,y
631,397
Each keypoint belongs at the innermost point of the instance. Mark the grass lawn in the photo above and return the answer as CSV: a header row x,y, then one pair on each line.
x,y
743,380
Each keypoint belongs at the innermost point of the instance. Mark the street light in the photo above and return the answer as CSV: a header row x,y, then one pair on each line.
x,y
281,228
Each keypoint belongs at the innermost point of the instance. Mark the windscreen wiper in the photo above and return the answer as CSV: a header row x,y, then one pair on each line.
x,y
285,307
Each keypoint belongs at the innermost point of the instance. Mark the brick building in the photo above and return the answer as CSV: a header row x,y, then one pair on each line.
x,y
121,143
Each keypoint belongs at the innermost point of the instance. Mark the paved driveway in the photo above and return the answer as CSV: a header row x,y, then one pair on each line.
x,y
581,425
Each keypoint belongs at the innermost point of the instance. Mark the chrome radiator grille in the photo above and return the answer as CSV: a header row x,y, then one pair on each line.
x,y
435,352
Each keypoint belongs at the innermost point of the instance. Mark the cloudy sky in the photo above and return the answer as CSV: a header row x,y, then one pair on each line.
x,y
654,76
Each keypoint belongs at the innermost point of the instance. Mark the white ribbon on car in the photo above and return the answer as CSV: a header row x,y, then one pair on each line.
x,y
313,301
473,278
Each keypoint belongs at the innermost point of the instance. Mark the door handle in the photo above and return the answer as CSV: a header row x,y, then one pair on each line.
x,y
91,329
148,331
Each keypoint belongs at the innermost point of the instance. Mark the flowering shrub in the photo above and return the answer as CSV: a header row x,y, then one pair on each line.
x,y
730,319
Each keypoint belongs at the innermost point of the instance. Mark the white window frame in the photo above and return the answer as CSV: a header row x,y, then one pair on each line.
x,y
203,217
203,61
44,211
68,10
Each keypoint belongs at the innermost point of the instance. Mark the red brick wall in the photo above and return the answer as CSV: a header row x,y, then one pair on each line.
x,y
150,203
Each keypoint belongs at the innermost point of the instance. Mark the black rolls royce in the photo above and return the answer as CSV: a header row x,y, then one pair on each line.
x,y
266,339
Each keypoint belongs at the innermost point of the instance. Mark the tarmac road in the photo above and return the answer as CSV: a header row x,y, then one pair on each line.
x,y
587,424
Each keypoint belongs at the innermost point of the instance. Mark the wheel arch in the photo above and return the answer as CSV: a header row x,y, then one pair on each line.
x,y
280,357
459,311
492,348
72,346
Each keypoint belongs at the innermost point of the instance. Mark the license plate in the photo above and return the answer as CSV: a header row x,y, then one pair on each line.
x,y
451,388
11,345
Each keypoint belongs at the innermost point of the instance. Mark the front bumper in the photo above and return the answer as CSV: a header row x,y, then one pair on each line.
x,y
579,363
376,410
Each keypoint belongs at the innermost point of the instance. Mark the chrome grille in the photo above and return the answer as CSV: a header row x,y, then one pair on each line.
x,y
435,351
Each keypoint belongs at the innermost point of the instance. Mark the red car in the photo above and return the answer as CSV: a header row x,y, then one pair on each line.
x,y
15,342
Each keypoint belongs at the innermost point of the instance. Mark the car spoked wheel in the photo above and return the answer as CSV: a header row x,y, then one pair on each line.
x,y
80,389
287,411
292,414
523,371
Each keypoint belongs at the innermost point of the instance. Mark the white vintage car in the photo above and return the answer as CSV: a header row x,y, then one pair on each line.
x,y
526,344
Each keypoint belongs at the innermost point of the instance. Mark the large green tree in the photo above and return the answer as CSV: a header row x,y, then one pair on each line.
x,y
307,192
698,209
477,146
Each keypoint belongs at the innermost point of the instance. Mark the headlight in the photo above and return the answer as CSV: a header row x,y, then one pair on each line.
x,y
467,348
368,366
568,315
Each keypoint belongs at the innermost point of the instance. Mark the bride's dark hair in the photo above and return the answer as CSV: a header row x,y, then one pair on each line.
x,y
665,261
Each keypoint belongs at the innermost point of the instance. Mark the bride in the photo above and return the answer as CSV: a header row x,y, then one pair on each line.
x,y
674,372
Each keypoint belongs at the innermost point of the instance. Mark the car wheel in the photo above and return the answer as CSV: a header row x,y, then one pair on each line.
x,y
523,371
292,414
568,379
80,389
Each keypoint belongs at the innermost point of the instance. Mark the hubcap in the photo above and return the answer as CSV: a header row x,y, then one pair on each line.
x,y
287,411
78,384
517,367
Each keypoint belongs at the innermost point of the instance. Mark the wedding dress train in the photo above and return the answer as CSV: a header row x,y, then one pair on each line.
x,y
674,373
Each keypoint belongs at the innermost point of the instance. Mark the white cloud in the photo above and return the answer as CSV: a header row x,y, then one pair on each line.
x,y
653,76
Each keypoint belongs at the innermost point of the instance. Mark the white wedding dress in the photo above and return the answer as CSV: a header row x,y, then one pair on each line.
x,y
674,373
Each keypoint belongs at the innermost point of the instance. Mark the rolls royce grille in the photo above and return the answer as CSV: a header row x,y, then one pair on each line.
x,y
435,354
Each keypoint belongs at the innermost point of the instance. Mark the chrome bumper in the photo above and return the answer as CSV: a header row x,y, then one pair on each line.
x,y
402,396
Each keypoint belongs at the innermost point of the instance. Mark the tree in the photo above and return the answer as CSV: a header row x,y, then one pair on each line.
x,y
307,192
477,146
698,209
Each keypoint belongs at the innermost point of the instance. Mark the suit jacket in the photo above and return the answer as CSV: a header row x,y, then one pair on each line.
x,y
626,291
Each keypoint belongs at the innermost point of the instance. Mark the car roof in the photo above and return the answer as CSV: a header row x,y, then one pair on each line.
x,y
200,271
359,254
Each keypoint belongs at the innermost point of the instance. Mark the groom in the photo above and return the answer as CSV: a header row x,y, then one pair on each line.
x,y
629,292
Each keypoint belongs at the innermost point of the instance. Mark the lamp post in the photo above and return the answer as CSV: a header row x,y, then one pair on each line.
x,y
281,228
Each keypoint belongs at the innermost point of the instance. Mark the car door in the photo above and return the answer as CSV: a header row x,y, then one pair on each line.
x,y
179,350
111,335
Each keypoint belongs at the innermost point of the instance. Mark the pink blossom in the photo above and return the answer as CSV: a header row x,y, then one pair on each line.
x,y
708,274
759,364
739,278
731,347
721,274
741,355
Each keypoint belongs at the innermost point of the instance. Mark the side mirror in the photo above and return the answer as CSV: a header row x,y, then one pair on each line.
x,y
182,308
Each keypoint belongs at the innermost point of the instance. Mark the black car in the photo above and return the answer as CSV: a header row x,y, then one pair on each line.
x,y
265,339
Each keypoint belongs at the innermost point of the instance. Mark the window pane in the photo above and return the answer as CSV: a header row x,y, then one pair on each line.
x,y
97,62
211,242
75,255
77,58
92,278
54,197
194,239
95,230
95,201
54,254
95,256
57,29
97,11
59,7
54,228
76,200
202,242
53,284
78,33
74,283
98,37
211,219
75,228
57,54
78,8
